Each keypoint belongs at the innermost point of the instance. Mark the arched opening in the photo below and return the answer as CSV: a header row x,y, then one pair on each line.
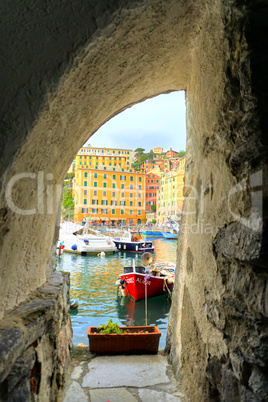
x,y
109,190
89,65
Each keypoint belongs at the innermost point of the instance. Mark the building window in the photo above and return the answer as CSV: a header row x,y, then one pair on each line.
x,y
122,203
139,179
131,195
105,176
85,174
84,210
139,187
139,212
139,204
139,195
113,185
95,175
95,184
85,183
122,194
131,203
104,193
94,202
113,194
123,178
104,211
94,210
122,186
114,177
113,211
85,192
130,212
131,186
122,212
105,185
85,201
131,178
95,193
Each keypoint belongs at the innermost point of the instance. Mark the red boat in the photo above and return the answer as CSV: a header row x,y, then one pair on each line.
x,y
158,279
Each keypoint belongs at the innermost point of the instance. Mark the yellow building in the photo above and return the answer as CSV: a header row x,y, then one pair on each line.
x,y
170,195
158,150
113,157
106,189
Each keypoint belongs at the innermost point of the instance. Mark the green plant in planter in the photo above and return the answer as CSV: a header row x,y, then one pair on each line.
x,y
110,328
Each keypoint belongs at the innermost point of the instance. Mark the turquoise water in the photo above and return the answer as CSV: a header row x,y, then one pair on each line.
x,y
93,285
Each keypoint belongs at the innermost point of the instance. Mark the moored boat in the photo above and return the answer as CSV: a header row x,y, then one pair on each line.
x,y
173,235
151,233
140,282
86,241
133,242
174,232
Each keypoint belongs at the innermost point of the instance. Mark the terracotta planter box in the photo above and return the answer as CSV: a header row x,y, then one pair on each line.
x,y
129,343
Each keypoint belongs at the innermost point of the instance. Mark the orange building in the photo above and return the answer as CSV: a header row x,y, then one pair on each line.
x,y
105,190
152,186
171,153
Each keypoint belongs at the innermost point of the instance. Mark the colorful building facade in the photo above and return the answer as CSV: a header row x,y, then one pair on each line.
x,y
152,186
105,189
163,164
170,195
171,153
158,150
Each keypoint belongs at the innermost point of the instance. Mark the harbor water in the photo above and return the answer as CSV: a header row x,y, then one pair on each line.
x,y
93,286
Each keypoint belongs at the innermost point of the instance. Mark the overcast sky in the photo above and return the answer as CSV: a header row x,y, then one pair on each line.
x,y
159,121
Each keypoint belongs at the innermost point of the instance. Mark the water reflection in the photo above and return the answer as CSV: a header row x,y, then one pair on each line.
x,y
133,313
93,285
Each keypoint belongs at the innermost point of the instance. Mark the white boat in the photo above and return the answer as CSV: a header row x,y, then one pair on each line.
x,y
85,240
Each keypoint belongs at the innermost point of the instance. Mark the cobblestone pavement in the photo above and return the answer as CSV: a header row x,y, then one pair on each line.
x,y
122,378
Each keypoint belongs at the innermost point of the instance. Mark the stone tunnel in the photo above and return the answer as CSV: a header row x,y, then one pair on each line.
x,y
67,68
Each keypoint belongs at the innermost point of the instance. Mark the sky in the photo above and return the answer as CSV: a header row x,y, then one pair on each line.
x,y
156,122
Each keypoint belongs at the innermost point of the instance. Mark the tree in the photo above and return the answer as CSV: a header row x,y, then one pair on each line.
x,y
181,153
153,207
139,152
67,205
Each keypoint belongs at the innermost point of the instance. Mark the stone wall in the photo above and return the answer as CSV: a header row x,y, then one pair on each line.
x,y
218,321
35,341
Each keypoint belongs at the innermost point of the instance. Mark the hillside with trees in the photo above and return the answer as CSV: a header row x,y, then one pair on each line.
x,y
141,156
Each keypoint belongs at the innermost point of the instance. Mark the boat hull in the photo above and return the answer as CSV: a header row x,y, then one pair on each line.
x,y
151,233
134,247
92,251
135,284
171,236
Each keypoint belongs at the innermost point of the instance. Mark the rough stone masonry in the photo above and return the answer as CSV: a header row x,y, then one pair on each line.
x,y
67,67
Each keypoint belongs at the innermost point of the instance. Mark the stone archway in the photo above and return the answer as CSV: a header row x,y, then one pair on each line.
x,y
68,70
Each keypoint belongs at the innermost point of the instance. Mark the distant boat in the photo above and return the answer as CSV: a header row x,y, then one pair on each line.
x,y
173,234
133,242
155,279
151,233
